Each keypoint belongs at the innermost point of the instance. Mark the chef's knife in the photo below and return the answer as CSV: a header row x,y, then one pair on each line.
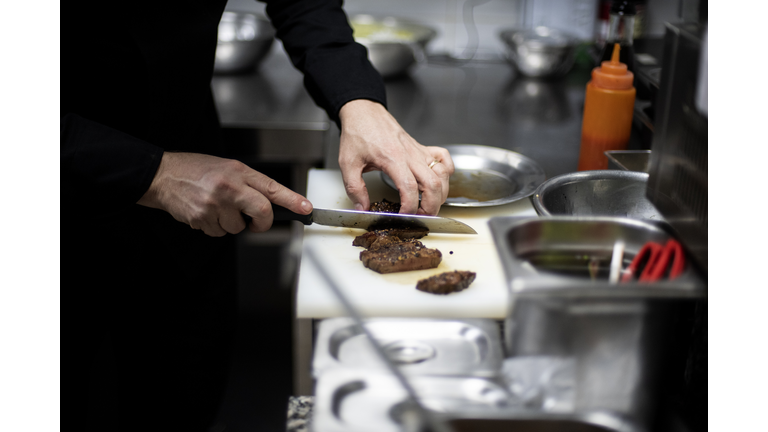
x,y
372,220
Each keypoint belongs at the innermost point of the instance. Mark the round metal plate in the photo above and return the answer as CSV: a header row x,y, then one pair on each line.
x,y
488,176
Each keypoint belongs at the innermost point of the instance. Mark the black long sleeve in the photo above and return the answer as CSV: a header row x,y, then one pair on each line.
x,y
143,86
318,39
103,170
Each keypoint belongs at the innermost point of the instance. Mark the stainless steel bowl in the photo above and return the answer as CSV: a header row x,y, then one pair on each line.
x,y
540,52
394,44
596,193
244,40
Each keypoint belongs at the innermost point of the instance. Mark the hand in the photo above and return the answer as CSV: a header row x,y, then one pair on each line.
x,y
371,139
210,193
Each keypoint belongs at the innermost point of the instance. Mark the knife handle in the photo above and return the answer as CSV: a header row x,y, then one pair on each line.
x,y
281,214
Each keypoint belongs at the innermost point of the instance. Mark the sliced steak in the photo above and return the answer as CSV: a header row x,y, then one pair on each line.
x,y
368,239
385,206
446,283
399,257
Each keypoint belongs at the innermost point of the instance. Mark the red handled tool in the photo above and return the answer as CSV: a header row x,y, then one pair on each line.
x,y
658,259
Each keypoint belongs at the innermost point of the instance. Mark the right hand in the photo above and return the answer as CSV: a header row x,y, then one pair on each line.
x,y
211,193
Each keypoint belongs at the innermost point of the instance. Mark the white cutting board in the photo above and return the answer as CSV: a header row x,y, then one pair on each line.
x,y
395,294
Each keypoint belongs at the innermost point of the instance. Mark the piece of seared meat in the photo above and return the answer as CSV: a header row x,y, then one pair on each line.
x,y
399,257
446,283
390,235
385,206
385,241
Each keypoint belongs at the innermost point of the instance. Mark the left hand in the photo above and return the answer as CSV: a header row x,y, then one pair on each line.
x,y
371,139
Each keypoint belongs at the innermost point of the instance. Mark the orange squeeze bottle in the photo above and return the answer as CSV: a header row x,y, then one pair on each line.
x,y
608,109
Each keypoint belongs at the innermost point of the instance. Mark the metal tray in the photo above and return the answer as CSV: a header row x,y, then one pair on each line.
x,y
534,253
488,176
357,400
420,346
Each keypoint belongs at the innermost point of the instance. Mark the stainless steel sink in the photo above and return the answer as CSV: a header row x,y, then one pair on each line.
x,y
542,422
357,400
469,347
362,400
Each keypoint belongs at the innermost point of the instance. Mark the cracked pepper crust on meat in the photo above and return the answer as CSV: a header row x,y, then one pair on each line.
x,y
399,257
446,283
385,206
392,234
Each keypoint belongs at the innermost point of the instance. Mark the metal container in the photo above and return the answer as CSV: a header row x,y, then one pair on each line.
x,y
470,347
394,44
615,335
550,254
596,193
244,40
362,400
541,51
629,160
488,176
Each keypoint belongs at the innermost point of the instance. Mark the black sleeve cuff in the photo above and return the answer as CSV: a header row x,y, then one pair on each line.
x,y
103,171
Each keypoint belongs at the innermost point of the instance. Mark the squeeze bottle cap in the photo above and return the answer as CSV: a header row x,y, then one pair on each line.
x,y
613,75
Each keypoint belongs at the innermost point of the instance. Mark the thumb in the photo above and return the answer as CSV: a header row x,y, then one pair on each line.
x,y
356,189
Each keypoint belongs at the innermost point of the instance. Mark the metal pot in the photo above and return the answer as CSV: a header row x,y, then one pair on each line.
x,y
244,40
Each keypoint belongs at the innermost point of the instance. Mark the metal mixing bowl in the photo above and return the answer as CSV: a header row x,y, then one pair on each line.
x,y
394,44
244,40
540,52
596,193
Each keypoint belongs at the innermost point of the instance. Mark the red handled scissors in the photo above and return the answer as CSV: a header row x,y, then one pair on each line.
x,y
657,260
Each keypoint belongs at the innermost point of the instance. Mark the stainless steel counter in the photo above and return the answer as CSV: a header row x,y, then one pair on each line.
x,y
488,104
478,103
273,97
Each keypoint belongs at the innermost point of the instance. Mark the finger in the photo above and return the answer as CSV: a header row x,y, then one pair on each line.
x,y
212,228
431,189
441,171
259,208
279,194
444,170
407,185
444,156
205,222
232,221
355,187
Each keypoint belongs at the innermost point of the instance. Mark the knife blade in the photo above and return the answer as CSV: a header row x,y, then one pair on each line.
x,y
373,220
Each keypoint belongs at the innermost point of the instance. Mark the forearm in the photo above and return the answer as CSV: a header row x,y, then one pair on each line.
x,y
319,41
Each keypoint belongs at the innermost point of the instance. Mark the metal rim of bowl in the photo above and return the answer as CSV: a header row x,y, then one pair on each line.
x,y
508,37
264,26
535,178
563,179
426,33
